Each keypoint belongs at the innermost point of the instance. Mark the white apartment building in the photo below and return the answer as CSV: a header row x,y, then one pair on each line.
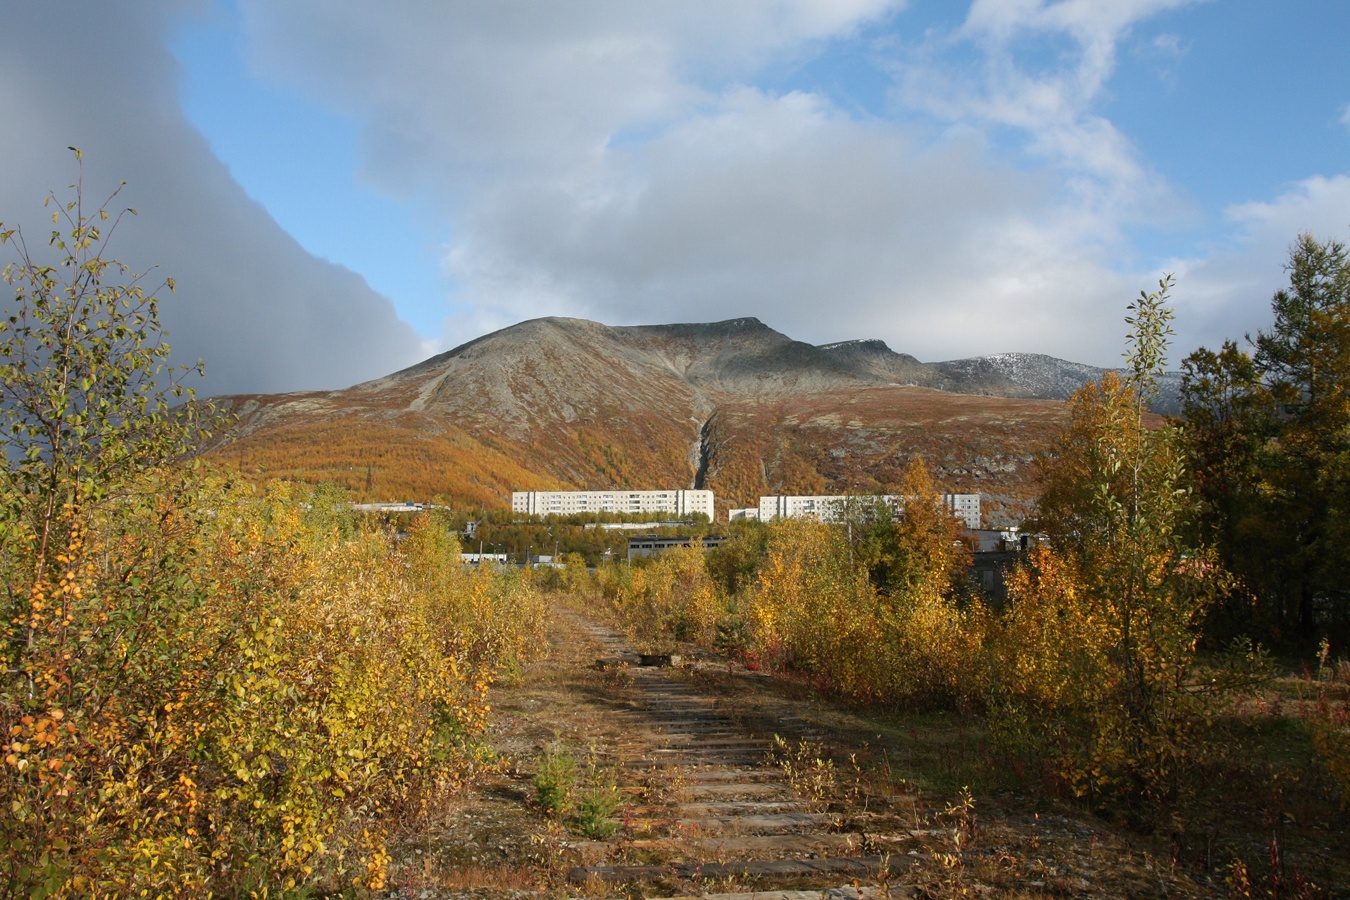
x,y
567,503
828,508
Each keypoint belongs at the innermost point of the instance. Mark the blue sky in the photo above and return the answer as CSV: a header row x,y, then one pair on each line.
x,y
386,180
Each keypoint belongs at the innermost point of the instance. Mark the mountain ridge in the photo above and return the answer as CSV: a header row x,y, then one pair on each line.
x,y
735,406
1009,374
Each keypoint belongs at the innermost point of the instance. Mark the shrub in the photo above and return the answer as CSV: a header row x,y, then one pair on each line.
x,y
1331,719
1095,654
816,611
207,688
670,598
555,781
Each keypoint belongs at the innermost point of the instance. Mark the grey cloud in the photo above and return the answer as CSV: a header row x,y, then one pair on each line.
x,y
592,163
825,228
604,159
263,314
455,92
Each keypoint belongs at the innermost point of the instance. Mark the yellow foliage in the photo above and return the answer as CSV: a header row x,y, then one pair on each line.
x,y
230,690
1331,723
671,598
1092,663
815,613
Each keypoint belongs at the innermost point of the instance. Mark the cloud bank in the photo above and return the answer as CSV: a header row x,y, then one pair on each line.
x,y
261,312
623,163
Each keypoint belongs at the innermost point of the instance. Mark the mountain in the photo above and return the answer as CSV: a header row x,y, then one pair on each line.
x,y
733,406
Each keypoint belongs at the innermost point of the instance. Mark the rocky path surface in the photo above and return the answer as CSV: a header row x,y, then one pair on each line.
x,y
723,811
721,792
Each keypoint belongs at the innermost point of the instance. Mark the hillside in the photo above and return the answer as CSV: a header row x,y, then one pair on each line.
x,y
734,406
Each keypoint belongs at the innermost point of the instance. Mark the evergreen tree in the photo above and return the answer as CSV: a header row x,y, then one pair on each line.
x,y
1269,441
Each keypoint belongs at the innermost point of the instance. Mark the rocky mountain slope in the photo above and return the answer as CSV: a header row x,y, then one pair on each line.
x,y
733,406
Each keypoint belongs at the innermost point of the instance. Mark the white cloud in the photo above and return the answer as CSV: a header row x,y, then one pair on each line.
x,y
1227,292
617,161
612,162
1040,69
1168,44
782,208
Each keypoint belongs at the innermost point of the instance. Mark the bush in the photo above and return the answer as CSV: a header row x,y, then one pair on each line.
x,y
239,694
815,612
668,599
207,688
1096,652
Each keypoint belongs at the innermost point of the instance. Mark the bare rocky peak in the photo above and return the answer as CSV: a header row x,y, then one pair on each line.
x,y
873,358
558,367
1043,377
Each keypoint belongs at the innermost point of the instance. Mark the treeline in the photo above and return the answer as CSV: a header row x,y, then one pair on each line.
x,y
207,688
1267,439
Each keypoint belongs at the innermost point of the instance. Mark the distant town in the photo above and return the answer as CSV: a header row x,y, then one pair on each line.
x,y
825,507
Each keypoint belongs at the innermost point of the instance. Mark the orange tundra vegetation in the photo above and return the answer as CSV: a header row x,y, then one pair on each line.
x,y
402,457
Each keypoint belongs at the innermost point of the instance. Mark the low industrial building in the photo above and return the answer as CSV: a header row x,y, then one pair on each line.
x,y
651,545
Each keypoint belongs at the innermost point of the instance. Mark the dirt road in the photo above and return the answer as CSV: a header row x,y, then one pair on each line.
x,y
704,780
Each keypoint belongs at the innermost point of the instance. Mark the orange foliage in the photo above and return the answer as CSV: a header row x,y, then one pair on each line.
x,y
404,457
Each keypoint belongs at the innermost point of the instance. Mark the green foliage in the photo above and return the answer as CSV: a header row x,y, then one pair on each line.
x,y
587,796
1225,415
872,540
86,390
598,800
733,565
1269,438
555,781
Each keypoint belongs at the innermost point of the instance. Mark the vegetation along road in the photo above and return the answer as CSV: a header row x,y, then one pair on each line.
x,y
708,779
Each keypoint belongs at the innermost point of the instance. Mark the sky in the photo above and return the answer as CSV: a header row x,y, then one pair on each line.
x,y
342,188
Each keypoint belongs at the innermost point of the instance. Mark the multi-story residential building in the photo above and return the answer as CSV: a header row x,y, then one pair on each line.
x,y
567,503
830,508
